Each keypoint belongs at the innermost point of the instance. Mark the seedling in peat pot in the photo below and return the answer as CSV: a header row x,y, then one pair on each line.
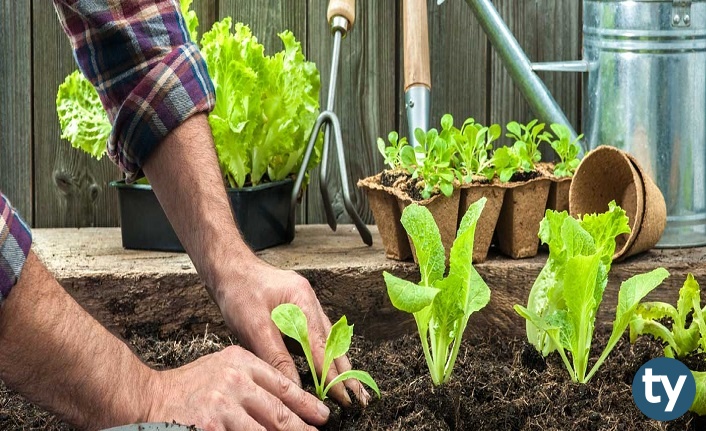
x,y
527,139
291,320
474,143
564,300
438,150
398,154
567,150
441,305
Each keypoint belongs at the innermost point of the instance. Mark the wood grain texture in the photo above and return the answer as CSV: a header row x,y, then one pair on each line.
x,y
161,292
415,43
459,56
15,106
559,39
71,189
207,12
506,101
366,98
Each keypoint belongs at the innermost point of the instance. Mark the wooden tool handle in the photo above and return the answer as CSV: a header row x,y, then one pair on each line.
x,y
344,8
416,43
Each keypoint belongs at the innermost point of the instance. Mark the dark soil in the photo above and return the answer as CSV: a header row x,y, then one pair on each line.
x,y
524,176
415,186
497,384
388,178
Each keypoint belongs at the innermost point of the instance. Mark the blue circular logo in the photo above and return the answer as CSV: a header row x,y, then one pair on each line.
x,y
663,389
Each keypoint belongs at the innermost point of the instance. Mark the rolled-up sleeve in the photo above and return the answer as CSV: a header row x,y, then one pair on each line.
x,y
149,75
15,242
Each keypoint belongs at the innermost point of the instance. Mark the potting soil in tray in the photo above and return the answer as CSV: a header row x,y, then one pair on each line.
x,y
497,385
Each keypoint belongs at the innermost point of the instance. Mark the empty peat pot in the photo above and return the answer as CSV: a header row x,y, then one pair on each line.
x,y
606,174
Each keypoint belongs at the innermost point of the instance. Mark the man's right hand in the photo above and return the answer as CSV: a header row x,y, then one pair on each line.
x,y
233,390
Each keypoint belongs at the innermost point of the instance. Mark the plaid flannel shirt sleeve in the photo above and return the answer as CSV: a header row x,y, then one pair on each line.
x,y
15,242
149,75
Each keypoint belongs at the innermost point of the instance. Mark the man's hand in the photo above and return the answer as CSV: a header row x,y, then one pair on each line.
x,y
183,171
233,390
247,303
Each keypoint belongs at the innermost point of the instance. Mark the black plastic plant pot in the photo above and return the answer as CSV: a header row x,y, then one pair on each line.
x,y
262,213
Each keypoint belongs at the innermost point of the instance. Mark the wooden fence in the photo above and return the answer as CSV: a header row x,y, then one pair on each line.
x,y
54,185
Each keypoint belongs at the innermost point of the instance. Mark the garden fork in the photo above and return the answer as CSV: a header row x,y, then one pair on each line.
x,y
341,16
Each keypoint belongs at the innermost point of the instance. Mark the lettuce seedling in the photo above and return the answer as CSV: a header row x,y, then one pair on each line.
x,y
398,154
473,145
564,300
527,139
507,162
688,327
567,150
437,151
441,306
291,320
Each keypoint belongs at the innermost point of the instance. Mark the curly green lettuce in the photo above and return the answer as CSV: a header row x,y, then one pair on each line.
x,y
265,108
84,122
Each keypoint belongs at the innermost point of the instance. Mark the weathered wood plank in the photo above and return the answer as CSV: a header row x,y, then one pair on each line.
x,y
366,98
206,11
459,57
559,39
71,189
267,18
15,106
506,101
161,291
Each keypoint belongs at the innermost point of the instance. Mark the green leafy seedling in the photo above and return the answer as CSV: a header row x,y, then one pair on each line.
x,y
527,139
291,320
567,150
398,153
507,162
564,300
687,321
437,151
441,306
474,142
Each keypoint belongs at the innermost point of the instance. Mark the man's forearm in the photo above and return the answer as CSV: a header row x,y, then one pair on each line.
x,y
183,170
57,355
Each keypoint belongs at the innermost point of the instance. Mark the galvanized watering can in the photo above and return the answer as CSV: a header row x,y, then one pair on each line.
x,y
645,93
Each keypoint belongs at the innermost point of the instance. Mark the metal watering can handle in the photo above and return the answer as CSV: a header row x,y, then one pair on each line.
x,y
519,66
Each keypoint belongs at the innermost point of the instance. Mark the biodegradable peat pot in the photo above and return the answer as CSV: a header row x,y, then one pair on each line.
x,y
485,228
522,211
443,209
558,198
262,213
606,174
387,214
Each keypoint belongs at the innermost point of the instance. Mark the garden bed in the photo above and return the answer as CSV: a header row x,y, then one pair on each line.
x,y
156,301
495,386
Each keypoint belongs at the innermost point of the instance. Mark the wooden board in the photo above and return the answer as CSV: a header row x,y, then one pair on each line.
x,y
70,188
161,292
15,109
365,100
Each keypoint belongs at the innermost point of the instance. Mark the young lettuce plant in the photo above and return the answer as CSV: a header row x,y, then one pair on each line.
x,y
441,306
507,163
688,327
474,143
291,320
527,139
564,300
398,154
567,150
686,336
435,170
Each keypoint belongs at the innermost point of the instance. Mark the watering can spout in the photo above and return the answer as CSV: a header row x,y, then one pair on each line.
x,y
519,66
